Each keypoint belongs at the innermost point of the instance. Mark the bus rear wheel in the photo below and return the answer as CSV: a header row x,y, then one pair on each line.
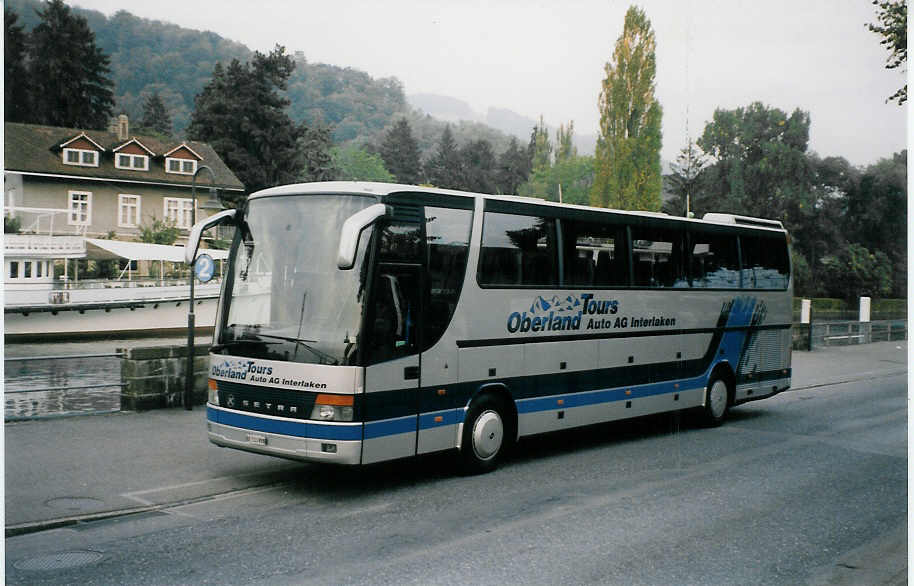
x,y
486,435
717,401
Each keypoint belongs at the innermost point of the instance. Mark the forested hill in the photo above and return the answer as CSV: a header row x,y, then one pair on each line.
x,y
150,55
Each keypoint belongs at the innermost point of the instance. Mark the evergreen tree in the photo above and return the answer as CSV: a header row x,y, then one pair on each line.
x,y
15,77
513,168
444,167
628,149
683,183
400,152
242,115
478,166
69,73
155,115
315,145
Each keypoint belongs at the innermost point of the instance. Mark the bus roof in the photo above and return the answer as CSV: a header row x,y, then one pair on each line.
x,y
376,189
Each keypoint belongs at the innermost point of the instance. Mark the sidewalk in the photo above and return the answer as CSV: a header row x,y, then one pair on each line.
x,y
64,470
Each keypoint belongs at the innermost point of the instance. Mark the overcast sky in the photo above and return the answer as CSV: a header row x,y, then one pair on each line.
x,y
547,58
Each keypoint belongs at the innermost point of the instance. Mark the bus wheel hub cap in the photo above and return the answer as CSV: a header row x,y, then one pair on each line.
x,y
488,432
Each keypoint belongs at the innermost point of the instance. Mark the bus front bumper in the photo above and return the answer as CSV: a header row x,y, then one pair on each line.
x,y
284,438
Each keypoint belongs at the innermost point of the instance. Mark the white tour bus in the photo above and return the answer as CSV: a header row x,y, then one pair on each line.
x,y
362,322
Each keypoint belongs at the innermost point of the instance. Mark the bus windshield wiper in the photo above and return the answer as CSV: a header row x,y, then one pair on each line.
x,y
237,342
322,355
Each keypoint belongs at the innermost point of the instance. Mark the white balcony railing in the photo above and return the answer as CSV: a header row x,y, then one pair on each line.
x,y
42,246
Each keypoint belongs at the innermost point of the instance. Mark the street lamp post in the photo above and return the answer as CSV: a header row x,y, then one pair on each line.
x,y
211,203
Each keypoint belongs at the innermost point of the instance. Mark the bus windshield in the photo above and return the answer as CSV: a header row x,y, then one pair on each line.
x,y
286,299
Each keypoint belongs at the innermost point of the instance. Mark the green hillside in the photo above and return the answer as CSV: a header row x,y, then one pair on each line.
x,y
150,55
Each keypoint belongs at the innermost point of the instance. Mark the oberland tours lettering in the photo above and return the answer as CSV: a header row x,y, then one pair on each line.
x,y
247,370
585,313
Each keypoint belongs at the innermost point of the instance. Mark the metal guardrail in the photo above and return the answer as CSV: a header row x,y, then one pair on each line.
x,y
826,334
75,392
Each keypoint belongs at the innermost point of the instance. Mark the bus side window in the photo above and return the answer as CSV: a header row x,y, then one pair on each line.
x,y
657,257
594,254
518,250
714,261
765,264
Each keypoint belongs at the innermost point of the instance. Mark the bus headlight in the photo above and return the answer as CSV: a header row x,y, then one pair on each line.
x,y
213,397
333,408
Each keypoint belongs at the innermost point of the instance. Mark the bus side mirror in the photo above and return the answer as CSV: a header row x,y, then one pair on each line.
x,y
193,239
352,227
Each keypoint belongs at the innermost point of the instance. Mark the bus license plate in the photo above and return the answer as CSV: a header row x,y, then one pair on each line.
x,y
257,438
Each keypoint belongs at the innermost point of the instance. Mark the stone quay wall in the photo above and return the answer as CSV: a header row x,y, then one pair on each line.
x,y
154,378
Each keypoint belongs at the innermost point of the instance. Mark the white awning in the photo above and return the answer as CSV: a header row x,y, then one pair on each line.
x,y
97,249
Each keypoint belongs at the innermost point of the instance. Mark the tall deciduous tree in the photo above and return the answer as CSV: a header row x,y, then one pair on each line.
x,y
242,115
400,152
564,143
760,165
445,168
68,72
15,77
892,17
355,164
628,149
155,115
540,146
877,213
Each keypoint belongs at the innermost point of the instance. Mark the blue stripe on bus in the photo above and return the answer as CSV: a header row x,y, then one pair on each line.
x,y
448,417
377,429
570,400
310,429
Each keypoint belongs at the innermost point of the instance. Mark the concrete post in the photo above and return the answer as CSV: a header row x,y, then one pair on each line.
x,y
865,325
805,309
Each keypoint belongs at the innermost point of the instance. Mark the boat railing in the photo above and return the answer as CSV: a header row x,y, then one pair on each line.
x,y
124,283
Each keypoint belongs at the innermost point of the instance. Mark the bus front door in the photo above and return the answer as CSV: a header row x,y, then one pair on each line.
x,y
392,374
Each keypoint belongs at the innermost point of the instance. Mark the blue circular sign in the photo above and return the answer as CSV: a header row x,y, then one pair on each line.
x,y
204,268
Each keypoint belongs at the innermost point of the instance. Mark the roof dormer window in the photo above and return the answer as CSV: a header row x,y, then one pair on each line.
x,y
134,162
182,166
81,157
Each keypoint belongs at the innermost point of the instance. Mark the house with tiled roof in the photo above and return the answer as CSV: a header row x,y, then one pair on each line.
x,y
63,187
94,183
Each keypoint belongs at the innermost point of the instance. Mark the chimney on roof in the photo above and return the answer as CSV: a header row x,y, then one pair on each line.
x,y
123,127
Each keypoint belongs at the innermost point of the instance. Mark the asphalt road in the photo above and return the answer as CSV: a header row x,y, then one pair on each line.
x,y
808,487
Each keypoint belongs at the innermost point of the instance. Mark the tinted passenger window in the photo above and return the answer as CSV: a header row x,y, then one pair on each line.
x,y
447,234
657,257
594,254
715,261
400,242
765,263
518,250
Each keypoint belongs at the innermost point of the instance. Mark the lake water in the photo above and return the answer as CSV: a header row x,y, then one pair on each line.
x,y
67,376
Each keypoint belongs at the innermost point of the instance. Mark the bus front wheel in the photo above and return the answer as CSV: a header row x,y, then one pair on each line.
x,y
486,435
